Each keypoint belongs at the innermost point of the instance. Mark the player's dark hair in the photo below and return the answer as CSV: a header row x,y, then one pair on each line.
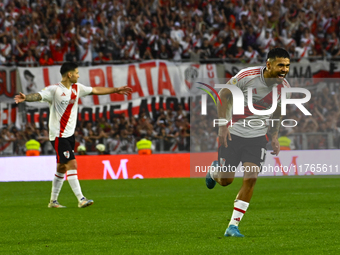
x,y
278,53
67,67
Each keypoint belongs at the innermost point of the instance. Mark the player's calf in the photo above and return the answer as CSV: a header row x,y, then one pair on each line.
x,y
225,181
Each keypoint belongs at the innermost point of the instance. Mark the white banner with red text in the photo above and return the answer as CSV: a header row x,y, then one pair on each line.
x,y
180,165
147,79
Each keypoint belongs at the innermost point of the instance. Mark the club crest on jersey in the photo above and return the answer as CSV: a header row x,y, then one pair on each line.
x,y
234,81
67,154
222,162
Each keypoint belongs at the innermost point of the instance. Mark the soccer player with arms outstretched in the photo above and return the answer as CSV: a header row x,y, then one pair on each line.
x,y
63,100
242,142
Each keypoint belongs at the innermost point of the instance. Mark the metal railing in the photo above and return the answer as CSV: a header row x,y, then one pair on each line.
x,y
314,140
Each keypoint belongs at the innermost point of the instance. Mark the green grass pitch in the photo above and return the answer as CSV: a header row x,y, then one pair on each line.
x,y
292,215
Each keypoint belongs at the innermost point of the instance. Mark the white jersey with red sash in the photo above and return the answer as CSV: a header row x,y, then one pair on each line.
x,y
301,52
266,43
63,107
5,48
262,100
252,56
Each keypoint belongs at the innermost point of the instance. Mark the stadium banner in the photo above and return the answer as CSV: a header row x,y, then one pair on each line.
x,y
8,84
99,167
155,84
148,105
8,114
147,79
179,165
310,72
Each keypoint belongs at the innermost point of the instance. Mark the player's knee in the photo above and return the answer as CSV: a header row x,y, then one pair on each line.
x,y
250,182
72,165
61,168
225,181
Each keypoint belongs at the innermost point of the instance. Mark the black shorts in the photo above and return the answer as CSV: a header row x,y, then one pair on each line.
x,y
243,150
64,147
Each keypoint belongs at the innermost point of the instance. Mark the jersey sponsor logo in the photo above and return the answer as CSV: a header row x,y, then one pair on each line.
x,y
67,102
67,154
63,95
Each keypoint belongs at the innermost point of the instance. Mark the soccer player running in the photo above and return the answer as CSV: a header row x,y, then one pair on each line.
x,y
63,100
246,143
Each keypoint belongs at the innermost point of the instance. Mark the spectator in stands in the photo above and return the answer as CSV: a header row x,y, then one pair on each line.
x,y
58,53
32,147
206,50
81,149
3,59
284,141
30,59
163,53
267,43
147,54
6,47
127,142
7,144
101,59
101,149
251,55
144,146
177,33
46,60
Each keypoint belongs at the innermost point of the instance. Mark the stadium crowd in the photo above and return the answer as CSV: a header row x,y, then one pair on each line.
x,y
48,32
168,130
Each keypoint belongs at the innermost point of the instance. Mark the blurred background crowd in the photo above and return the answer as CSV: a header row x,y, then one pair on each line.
x,y
42,32
168,130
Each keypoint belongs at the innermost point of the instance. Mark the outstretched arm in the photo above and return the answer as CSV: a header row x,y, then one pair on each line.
x,y
29,98
125,90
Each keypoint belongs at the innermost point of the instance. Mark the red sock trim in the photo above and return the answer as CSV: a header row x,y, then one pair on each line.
x,y
239,210
71,175
59,176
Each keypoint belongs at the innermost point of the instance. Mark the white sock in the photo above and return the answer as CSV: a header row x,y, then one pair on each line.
x,y
57,183
74,183
240,208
